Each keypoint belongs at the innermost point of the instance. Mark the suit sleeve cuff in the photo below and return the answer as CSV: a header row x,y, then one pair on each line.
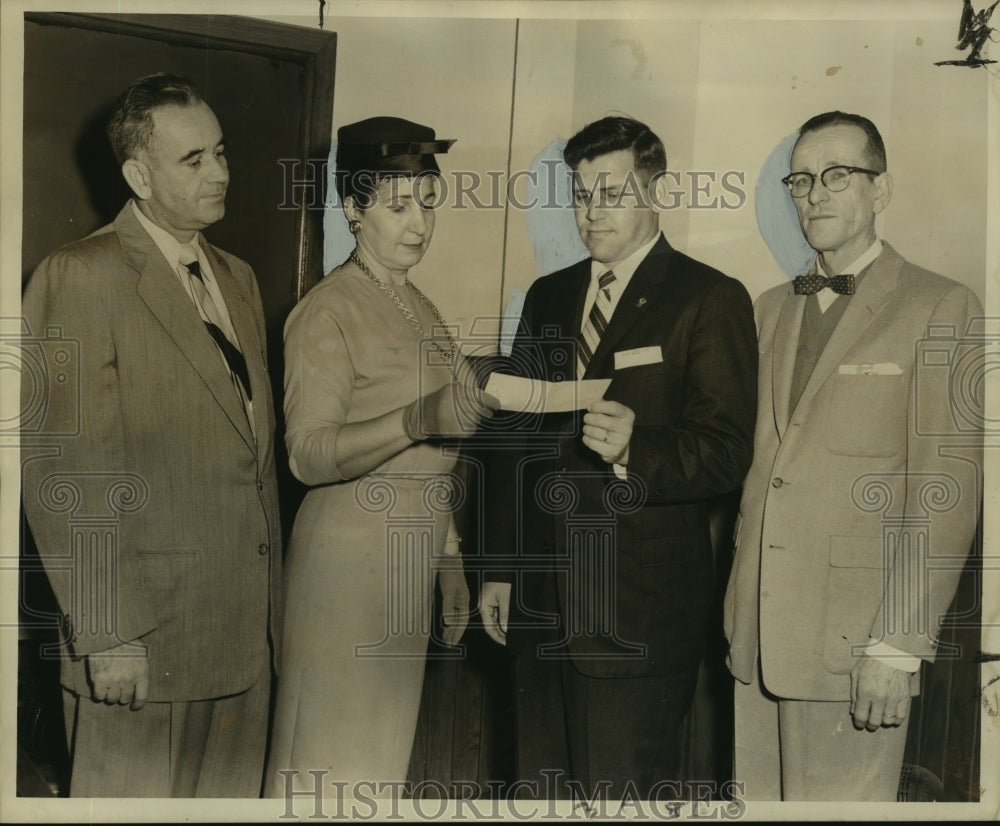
x,y
890,655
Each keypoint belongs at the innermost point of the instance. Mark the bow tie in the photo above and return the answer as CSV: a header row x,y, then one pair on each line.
x,y
813,283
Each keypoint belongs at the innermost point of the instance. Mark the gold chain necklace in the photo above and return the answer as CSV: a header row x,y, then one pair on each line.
x,y
447,354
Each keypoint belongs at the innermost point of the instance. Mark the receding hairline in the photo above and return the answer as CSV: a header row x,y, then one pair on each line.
x,y
155,136
868,155
873,152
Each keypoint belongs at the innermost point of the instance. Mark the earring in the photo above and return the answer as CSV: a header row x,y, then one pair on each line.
x,y
354,226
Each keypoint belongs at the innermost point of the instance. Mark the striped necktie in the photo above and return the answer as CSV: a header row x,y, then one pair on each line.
x,y
597,322
213,321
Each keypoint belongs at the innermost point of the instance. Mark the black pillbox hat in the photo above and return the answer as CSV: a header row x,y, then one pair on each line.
x,y
382,147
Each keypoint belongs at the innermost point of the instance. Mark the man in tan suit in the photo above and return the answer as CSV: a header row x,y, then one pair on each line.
x,y
860,506
151,492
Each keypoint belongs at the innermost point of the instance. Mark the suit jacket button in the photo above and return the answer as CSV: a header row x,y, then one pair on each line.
x,y
263,548
777,482
260,484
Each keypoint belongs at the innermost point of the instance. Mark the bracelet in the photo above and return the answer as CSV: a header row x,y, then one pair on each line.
x,y
453,539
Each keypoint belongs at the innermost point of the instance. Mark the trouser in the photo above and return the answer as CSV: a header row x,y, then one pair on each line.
x,y
811,750
202,748
606,736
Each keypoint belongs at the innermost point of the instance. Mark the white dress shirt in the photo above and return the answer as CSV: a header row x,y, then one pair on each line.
x,y
623,270
826,296
171,249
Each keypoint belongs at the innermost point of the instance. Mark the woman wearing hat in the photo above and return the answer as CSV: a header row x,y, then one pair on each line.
x,y
372,379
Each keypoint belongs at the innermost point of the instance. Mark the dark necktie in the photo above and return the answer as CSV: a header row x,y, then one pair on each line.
x,y
814,282
597,322
231,353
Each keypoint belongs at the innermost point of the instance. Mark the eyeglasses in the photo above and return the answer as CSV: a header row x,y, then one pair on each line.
x,y
834,178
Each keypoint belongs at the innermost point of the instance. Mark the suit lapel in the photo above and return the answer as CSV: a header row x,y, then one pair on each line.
x,y
161,291
784,351
642,288
244,324
565,316
873,293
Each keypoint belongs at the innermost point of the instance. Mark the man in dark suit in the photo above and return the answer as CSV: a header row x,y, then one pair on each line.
x,y
860,507
151,492
608,586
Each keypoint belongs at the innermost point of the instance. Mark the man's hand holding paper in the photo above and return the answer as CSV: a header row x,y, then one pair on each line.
x,y
607,425
607,430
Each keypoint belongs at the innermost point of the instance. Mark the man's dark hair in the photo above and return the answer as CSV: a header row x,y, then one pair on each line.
x,y
131,125
875,148
613,134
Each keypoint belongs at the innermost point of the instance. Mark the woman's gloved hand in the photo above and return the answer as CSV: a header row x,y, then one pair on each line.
x,y
455,409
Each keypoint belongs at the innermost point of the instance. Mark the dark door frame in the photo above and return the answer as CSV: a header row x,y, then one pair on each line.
x,y
313,50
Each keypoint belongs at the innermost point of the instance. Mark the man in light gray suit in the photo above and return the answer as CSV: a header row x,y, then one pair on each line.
x,y
861,503
171,605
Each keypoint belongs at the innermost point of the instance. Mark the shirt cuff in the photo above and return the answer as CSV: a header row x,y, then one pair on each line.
x,y
620,471
890,655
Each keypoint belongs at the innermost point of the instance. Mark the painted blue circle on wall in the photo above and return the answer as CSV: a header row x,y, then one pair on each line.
x,y
776,218
551,221
337,239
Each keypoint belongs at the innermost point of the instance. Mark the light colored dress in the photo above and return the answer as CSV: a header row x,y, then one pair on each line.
x,y
359,572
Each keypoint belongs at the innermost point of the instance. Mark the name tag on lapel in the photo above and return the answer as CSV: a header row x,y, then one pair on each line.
x,y
882,368
638,357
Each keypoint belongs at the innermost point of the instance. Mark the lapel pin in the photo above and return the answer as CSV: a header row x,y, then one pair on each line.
x,y
640,303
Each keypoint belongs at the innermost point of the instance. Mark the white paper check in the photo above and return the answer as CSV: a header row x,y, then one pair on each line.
x,y
535,396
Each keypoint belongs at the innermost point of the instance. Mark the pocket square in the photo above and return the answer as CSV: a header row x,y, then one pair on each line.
x,y
882,368
638,357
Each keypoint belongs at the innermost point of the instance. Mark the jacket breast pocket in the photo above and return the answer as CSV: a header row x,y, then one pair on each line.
x,y
867,415
640,372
